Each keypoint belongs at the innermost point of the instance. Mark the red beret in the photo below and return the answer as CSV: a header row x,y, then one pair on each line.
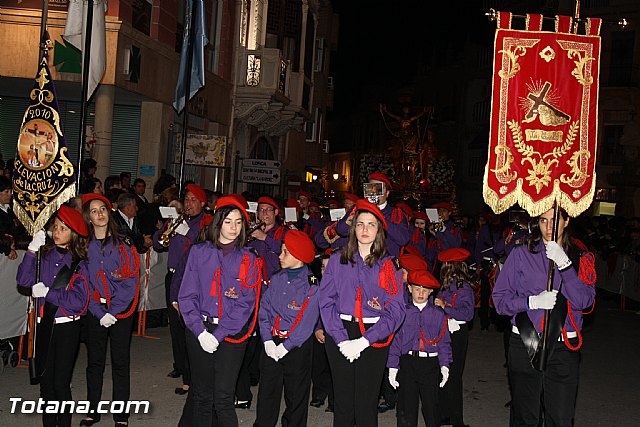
x,y
378,176
405,208
422,278
231,201
454,254
411,262
351,197
73,219
305,194
365,205
268,201
292,203
240,198
420,215
314,204
443,205
198,192
332,202
410,249
86,198
299,244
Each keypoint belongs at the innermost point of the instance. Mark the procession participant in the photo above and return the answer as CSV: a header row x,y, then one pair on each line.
x,y
457,300
267,241
446,233
328,236
521,292
362,305
411,260
514,235
304,199
218,295
113,273
420,354
68,294
332,204
268,238
129,224
287,317
419,237
184,236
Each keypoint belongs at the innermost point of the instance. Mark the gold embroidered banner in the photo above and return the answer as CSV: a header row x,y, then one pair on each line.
x,y
43,177
542,144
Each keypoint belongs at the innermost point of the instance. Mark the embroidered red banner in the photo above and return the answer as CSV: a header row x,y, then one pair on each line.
x,y
544,114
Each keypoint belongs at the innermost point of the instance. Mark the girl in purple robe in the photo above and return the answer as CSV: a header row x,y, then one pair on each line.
x,y
60,260
362,304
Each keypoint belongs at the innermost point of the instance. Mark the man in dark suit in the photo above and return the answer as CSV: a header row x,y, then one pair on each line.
x,y
128,223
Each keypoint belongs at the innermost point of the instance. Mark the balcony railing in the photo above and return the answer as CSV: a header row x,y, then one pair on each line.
x,y
263,69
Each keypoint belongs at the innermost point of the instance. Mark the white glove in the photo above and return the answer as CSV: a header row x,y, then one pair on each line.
x,y
39,290
270,349
38,240
545,300
393,373
281,351
453,325
557,254
351,349
108,320
208,342
445,375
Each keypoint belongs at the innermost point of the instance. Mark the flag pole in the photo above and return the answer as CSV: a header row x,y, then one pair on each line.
x,y
44,34
187,97
85,90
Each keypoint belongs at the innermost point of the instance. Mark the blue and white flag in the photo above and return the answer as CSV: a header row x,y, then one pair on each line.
x,y
199,42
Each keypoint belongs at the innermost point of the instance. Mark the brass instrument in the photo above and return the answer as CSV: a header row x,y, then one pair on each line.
x,y
438,226
165,237
256,227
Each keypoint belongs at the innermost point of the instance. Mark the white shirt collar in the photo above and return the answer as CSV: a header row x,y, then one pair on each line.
x,y
5,207
382,206
420,305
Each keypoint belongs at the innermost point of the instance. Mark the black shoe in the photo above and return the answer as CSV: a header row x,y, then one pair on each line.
x,y
89,421
445,421
181,391
384,407
316,403
243,405
329,408
122,423
174,374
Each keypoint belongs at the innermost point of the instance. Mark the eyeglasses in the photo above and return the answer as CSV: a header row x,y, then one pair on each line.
x,y
266,210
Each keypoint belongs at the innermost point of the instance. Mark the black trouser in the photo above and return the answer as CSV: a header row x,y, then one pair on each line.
x,y
321,374
97,336
294,372
418,378
356,385
485,293
557,386
213,384
55,383
389,394
451,401
178,340
243,386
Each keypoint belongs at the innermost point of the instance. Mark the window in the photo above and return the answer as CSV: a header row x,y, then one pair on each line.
x,y
214,36
611,152
142,15
319,59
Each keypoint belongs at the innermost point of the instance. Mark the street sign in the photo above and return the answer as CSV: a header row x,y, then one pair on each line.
x,y
261,163
259,175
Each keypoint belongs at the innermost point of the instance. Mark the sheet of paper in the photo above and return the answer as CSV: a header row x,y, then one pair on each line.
x,y
182,229
337,214
168,212
253,207
290,215
433,215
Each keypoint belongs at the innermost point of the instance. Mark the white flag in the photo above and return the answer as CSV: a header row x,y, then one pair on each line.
x,y
74,33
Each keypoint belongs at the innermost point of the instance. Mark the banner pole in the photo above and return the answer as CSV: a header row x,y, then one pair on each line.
x,y
85,90
187,82
44,34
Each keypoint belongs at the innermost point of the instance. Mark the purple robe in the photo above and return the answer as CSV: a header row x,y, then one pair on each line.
x,y
71,300
459,302
525,274
433,323
199,297
285,298
120,289
179,243
269,249
338,290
